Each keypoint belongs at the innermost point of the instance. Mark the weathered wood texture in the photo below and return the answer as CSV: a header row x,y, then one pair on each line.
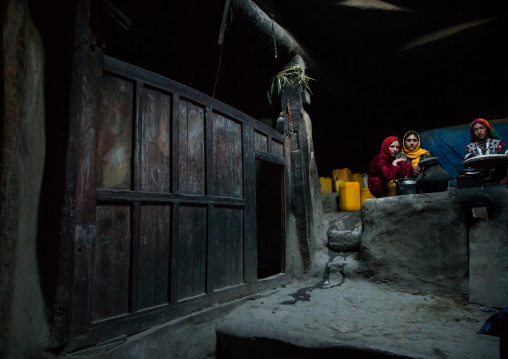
x,y
261,142
226,157
167,217
115,133
191,150
227,247
111,266
155,141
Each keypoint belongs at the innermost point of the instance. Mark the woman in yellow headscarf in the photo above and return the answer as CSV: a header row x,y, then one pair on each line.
x,y
412,152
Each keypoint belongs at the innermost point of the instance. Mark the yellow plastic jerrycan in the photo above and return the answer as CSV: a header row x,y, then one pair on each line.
x,y
343,174
349,196
365,195
336,184
326,184
357,177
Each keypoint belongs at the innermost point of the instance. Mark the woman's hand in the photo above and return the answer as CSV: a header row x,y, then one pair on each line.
x,y
415,170
396,162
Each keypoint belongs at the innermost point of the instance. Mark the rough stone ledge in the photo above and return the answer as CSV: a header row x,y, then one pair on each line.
x,y
344,232
263,339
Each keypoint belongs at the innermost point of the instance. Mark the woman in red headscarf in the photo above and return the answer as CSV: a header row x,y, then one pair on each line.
x,y
385,167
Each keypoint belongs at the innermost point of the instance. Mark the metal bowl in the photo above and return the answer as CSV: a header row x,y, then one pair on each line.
x,y
486,161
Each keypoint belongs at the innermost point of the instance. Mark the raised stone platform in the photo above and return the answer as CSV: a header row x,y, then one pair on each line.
x,y
435,242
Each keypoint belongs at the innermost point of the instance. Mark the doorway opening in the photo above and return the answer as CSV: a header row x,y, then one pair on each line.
x,y
270,211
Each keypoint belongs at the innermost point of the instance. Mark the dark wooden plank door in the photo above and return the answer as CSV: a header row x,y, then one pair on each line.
x,y
169,181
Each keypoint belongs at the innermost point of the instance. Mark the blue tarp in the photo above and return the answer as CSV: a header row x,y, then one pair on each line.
x,y
449,144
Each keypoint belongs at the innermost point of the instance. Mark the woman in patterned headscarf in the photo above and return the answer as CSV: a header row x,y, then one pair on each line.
x,y
412,152
385,168
484,140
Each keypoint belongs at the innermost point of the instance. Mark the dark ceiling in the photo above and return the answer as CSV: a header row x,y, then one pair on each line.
x,y
380,67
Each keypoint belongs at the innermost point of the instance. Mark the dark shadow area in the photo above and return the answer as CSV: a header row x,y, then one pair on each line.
x,y
270,218
268,348
55,22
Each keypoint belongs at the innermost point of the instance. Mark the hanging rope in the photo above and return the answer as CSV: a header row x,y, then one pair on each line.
x,y
273,37
221,46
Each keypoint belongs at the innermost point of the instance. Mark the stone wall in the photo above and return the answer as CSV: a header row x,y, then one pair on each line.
x,y
434,242
415,240
23,322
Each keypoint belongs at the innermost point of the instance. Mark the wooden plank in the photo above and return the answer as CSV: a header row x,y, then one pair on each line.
x,y
162,255
175,134
136,213
173,274
270,158
226,157
191,149
233,233
210,185
216,242
191,252
287,193
154,256
261,142
136,207
249,220
84,114
115,133
120,195
277,149
152,79
155,141
111,266
209,250
138,113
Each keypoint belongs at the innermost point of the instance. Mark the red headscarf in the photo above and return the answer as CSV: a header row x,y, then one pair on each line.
x,y
385,147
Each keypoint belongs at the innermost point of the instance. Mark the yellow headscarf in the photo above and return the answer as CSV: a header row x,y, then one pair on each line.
x,y
417,152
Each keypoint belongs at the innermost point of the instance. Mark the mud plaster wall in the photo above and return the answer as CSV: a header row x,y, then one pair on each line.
x,y
23,320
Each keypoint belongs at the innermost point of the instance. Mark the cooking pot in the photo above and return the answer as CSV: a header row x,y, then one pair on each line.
x,y
432,177
470,178
406,186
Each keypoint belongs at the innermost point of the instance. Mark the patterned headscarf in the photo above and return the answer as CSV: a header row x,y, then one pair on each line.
x,y
492,132
385,147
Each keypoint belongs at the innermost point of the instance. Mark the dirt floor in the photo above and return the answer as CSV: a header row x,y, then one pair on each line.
x,y
335,310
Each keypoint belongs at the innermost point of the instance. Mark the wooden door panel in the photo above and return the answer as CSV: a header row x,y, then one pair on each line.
x,y
191,252
277,149
191,157
260,142
165,202
227,247
114,150
226,157
111,262
154,256
155,141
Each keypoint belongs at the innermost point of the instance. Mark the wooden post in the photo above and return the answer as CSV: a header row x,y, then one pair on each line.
x,y
301,204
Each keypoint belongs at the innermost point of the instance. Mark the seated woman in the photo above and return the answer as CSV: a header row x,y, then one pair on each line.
x,y
385,168
412,152
484,140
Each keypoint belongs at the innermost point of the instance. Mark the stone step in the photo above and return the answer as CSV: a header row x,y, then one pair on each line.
x,y
344,230
254,339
